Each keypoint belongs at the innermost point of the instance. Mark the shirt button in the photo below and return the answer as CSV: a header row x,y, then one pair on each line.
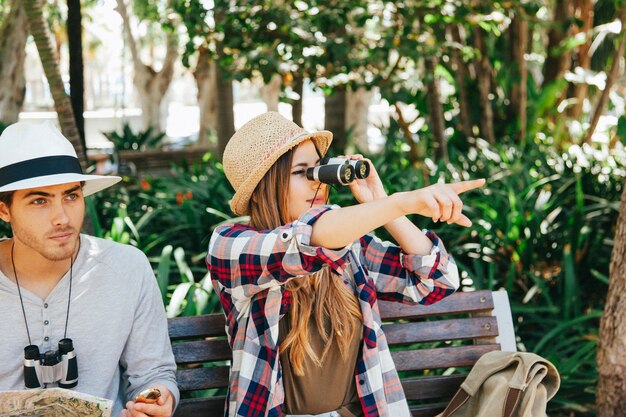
x,y
46,322
361,381
46,338
45,305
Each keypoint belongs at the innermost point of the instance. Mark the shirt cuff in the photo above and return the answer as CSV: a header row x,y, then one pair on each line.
x,y
429,264
300,235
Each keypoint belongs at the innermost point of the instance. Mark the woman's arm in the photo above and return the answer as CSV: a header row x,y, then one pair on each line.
x,y
409,278
245,261
338,228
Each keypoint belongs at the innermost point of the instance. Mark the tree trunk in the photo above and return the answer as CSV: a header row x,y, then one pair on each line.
x,y
414,154
435,109
611,356
335,118
357,115
296,108
557,62
460,75
150,84
204,75
271,92
618,54
484,73
225,117
41,33
13,34
519,91
584,13
75,46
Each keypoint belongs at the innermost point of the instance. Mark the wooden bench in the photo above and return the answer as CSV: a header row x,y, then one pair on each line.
x,y
433,348
157,161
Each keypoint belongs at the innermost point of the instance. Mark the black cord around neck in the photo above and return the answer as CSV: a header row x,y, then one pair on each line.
x,y
69,297
326,199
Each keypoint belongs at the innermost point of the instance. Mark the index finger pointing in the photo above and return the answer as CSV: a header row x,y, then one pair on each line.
x,y
463,186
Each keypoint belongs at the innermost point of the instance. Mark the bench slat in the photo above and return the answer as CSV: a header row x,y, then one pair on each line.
x,y
201,339
429,387
414,360
201,351
197,326
202,378
457,303
430,410
201,407
440,331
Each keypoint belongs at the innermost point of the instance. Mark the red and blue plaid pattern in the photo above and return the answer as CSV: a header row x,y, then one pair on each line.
x,y
248,269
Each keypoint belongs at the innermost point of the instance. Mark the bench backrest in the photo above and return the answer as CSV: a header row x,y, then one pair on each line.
x,y
433,348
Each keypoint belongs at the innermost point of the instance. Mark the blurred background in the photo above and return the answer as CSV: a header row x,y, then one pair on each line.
x,y
528,94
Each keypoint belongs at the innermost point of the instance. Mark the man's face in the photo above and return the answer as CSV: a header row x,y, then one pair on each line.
x,y
46,220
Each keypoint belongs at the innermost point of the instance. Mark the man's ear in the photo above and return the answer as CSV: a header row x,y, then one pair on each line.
x,y
5,213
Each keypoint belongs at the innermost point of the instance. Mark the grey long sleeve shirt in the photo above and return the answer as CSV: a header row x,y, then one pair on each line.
x,y
117,323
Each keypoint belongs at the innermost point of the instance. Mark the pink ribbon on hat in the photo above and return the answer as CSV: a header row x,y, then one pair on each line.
x,y
288,137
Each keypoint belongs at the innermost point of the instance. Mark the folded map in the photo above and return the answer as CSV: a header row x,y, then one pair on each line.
x,y
52,402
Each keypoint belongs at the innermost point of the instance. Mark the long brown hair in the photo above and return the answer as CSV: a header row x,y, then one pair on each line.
x,y
324,294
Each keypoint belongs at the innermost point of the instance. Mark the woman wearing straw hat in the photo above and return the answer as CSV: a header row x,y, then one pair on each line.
x,y
299,284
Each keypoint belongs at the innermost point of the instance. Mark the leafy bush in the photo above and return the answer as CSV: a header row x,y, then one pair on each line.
x,y
170,216
128,140
542,229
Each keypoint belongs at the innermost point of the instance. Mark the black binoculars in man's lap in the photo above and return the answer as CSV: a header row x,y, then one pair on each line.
x,y
54,366
338,171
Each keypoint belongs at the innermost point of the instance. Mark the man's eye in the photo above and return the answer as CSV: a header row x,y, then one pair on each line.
x,y
39,201
298,172
72,196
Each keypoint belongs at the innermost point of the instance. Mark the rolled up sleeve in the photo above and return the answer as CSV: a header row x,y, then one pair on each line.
x,y
245,261
410,278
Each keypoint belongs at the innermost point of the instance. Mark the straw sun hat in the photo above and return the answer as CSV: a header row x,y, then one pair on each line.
x,y
37,155
256,146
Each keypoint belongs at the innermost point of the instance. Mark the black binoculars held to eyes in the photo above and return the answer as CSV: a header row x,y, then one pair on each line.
x,y
338,171
54,366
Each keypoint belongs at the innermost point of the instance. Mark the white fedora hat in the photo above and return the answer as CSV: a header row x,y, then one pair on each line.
x,y
38,155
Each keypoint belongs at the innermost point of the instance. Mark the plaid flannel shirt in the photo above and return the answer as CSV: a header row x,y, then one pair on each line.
x,y
248,269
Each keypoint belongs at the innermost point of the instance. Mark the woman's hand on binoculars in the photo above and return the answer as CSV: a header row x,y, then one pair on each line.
x,y
163,407
440,201
366,189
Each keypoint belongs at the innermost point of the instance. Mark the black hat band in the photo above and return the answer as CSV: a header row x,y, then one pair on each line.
x,y
39,167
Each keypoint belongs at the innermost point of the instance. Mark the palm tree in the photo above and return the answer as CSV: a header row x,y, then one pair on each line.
x,y
75,46
13,36
41,33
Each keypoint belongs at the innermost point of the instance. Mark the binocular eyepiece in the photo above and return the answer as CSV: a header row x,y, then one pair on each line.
x,y
338,171
54,366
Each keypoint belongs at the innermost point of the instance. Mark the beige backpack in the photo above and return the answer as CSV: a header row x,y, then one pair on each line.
x,y
505,384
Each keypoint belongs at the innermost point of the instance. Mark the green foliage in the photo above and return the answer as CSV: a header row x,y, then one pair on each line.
x,y
127,140
542,229
170,218
621,129
543,225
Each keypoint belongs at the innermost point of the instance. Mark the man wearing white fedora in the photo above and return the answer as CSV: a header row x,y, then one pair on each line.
x,y
76,311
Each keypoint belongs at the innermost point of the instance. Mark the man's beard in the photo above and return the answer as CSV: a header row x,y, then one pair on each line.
x,y
51,254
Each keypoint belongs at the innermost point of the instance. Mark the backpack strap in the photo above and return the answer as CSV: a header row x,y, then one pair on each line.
x,y
512,399
510,403
456,402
